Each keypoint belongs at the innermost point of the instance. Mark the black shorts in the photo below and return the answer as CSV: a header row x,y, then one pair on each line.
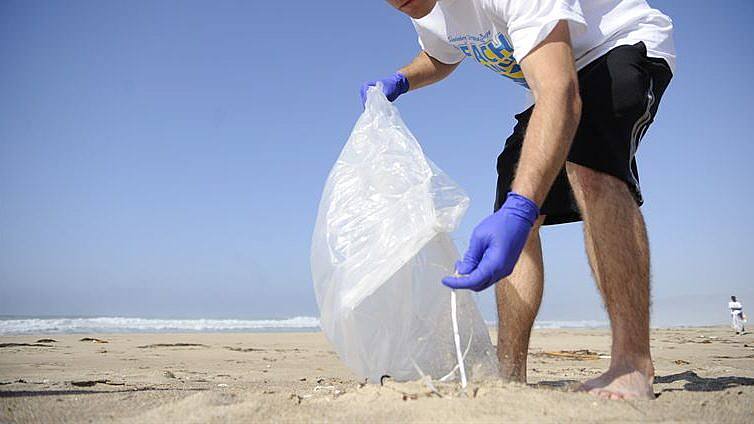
x,y
620,93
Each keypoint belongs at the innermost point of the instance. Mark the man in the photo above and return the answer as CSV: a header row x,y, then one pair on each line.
x,y
737,317
597,70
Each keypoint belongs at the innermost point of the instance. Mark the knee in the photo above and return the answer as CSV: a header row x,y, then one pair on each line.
x,y
534,233
537,225
588,183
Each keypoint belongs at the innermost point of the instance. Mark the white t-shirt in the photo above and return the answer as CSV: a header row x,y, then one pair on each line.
x,y
500,33
735,307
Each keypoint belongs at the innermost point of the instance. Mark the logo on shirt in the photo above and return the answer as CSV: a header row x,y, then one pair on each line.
x,y
493,53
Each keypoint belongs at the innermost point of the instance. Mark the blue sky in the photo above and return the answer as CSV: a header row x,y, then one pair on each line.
x,y
166,158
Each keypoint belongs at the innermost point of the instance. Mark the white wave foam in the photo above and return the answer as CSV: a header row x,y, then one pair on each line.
x,y
563,324
136,325
571,324
121,325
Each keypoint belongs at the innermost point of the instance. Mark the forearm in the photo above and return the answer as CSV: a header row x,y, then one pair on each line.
x,y
551,74
425,70
548,139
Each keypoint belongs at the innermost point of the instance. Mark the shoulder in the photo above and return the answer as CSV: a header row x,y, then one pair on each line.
x,y
434,19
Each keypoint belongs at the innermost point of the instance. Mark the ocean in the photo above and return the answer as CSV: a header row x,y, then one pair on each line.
x,y
46,325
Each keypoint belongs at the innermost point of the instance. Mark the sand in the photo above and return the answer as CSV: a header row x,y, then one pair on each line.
x,y
703,374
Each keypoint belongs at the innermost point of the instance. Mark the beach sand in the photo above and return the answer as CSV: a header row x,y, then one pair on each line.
x,y
702,374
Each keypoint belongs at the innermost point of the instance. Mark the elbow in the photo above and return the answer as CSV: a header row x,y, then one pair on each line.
x,y
568,94
575,108
574,101
565,94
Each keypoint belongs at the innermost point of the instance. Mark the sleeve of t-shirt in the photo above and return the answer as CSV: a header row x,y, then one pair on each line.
x,y
529,22
433,39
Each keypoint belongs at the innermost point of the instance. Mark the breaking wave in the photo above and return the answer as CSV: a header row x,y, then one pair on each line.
x,y
139,325
9,326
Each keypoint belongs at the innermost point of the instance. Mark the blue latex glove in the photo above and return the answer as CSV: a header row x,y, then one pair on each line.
x,y
496,244
393,86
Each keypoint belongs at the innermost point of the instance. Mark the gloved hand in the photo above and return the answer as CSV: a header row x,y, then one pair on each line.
x,y
393,86
496,244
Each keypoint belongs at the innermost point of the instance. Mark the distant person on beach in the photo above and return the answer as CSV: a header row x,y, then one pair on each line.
x,y
596,71
737,317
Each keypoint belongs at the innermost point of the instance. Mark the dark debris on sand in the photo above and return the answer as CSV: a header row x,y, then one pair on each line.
x,y
24,344
93,340
149,346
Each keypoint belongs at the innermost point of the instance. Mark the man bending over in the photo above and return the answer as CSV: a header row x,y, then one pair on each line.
x,y
597,70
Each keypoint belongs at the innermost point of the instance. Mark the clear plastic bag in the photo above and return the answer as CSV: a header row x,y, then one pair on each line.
x,y
379,250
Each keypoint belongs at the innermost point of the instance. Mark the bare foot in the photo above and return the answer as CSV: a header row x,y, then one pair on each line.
x,y
620,384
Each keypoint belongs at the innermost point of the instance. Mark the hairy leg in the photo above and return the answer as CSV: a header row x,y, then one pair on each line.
x,y
518,298
618,250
